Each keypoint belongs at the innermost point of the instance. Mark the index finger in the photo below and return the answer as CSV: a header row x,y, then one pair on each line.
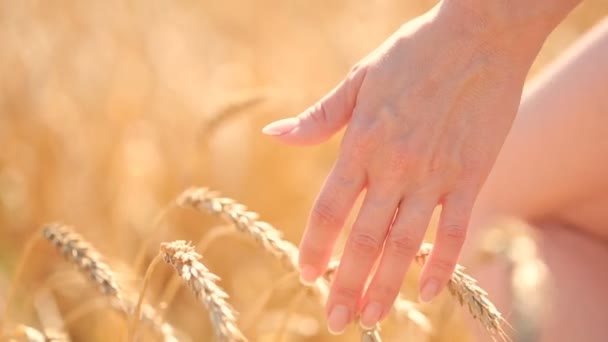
x,y
327,218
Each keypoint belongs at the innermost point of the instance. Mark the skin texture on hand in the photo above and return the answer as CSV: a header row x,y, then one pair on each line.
x,y
426,115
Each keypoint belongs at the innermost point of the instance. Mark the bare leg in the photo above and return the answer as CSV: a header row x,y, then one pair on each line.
x,y
553,168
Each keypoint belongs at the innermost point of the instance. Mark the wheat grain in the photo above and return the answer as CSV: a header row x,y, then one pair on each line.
x,y
245,221
268,237
85,257
89,261
469,294
202,282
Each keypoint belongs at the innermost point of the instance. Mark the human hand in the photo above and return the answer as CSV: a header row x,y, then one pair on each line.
x,y
426,114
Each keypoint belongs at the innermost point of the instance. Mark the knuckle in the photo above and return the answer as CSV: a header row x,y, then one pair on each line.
x,y
357,72
345,176
354,69
455,232
365,244
402,245
443,266
401,158
468,173
346,293
360,147
324,214
362,139
318,112
453,168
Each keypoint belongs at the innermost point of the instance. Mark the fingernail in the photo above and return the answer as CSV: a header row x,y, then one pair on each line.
x,y
429,290
371,315
308,275
281,127
338,319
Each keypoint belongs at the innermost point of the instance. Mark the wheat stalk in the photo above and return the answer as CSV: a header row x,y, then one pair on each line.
x,y
202,282
49,316
34,335
371,335
469,294
406,308
89,261
268,237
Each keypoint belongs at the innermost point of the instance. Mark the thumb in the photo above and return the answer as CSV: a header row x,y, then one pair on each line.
x,y
322,120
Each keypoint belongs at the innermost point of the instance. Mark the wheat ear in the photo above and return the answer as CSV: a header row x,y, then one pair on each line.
x,y
268,237
89,261
469,294
202,282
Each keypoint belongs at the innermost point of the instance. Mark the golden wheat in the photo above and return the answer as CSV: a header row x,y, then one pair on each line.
x,y
89,261
461,285
268,237
469,294
202,282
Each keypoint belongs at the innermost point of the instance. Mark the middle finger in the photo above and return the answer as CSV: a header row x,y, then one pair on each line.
x,y
362,248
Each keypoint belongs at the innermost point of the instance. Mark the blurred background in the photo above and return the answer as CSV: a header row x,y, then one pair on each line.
x,y
109,109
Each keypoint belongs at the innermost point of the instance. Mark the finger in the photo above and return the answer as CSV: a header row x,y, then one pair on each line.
x,y
451,234
362,249
402,243
319,122
331,208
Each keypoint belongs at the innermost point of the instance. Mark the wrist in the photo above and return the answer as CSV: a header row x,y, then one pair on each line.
x,y
516,27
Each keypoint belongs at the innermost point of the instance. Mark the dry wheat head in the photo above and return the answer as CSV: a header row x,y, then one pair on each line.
x,y
202,282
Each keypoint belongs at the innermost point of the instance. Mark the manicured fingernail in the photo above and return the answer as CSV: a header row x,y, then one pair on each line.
x,y
308,275
281,127
371,315
338,319
429,290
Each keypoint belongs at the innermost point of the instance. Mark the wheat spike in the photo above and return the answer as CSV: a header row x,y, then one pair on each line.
x,y
246,221
469,294
202,282
89,261
268,237
85,257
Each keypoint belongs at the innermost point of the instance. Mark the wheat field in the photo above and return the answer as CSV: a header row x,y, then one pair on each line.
x,y
109,110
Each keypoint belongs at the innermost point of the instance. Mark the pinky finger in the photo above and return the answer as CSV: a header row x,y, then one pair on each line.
x,y
451,234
